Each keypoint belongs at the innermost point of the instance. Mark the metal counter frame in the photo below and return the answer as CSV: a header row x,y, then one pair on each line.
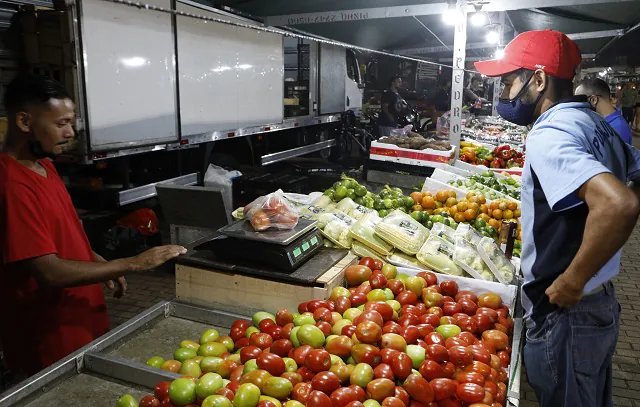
x,y
93,358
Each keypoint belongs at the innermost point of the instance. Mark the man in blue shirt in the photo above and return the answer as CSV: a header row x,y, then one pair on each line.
x,y
599,95
577,213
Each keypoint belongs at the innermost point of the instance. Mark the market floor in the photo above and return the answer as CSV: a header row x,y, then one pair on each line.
x,y
148,289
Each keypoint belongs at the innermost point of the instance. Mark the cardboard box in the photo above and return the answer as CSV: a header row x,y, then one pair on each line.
x,y
428,158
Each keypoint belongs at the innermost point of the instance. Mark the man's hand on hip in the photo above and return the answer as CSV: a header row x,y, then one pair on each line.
x,y
565,291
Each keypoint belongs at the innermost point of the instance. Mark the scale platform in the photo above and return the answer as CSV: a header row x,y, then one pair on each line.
x,y
242,229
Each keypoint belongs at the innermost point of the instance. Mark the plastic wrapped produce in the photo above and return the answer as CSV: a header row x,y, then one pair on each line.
x,y
362,250
437,254
444,232
400,259
348,206
402,231
466,231
364,232
499,265
337,231
271,211
466,256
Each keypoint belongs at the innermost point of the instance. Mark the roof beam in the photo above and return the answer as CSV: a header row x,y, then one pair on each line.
x,y
417,10
475,59
478,45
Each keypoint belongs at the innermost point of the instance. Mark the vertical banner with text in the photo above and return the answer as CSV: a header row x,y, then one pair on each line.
x,y
457,83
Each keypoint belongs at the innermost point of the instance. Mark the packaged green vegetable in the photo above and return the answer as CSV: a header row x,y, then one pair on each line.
x,y
327,217
437,254
466,256
402,231
498,263
337,231
362,250
465,230
364,232
444,232
400,259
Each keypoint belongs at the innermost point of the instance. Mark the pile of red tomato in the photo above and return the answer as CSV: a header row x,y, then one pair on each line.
x,y
386,341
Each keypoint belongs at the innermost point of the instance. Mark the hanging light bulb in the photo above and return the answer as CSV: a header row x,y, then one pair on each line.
x,y
499,53
451,16
478,19
493,37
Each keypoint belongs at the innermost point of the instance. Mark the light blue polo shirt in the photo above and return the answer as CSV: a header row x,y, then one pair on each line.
x,y
568,145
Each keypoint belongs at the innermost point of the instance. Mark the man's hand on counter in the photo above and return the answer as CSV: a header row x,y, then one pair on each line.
x,y
155,257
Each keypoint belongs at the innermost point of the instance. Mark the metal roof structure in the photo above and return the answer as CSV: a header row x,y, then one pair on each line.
x,y
607,29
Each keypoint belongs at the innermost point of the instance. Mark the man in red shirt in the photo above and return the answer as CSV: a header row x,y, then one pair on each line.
x,y
50,294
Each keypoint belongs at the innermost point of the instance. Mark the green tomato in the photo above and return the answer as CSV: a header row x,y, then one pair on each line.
x,y
248,395
371,403
293,337
448,331
212,349
182,392
408,202
377,295
210,363
388,294
304,319
310,335
290,365
383,213
361,190
250,366
417,355
351,193
341,193
216,401
127,401
190,368
395,305
155,361
260,316
362,374
208,385
251,330
277,387
183,354
210,335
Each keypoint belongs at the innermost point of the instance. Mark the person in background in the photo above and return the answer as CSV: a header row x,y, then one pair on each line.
x,y
442,99
598,94
50,291
474,93
392,104
628,101
574,186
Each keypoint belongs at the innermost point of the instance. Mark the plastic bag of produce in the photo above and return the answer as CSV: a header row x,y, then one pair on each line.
x,y
402,231
364,232
317,207
437,254
467,257
335,227
351,208
271,211
444,232
362,250
498,263
466,231
400,259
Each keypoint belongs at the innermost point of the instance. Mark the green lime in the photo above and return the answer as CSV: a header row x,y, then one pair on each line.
x,y
399,202
383,212
408,202
329,193
340,193
417,215
491,231
480,223
351,193
360,190
397,190
429,224
388,203
358,200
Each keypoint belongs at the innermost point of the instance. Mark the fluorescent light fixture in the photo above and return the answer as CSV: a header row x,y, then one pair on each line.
x,y
451,16
478,19
133,62
493,37
499,53
245,66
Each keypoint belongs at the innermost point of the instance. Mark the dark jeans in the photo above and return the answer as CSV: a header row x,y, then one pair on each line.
x,y
569,356
627,113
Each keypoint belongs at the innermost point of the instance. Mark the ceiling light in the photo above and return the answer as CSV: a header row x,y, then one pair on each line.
x,y
499,53
478,19
493,37
451,16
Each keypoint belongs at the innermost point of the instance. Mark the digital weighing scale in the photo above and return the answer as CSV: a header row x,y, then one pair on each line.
x,y
284,250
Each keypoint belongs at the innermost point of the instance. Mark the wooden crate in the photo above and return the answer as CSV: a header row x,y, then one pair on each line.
x,y
245,295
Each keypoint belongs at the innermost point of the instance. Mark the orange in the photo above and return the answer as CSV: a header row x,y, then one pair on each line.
x,y
508,214
462,206
474,199
426,193
494,223
417,197
503,206
459,217
442,196
516,213
475,207
482,199
484,216
451,201
416,208
428,202
470,194
439,204
512,206
451,193
494,206
469,214
484,208
497,214
453,210
430,212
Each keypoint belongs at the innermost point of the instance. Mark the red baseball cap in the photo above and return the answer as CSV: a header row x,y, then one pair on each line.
x,y
552,51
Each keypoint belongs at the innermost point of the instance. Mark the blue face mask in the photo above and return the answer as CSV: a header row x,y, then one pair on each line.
x,y
515,110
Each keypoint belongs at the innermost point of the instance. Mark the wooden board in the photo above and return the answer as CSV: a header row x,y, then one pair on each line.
x,y
245,295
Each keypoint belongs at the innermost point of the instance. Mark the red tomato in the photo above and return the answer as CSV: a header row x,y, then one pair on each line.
x,y
348,330
249,352
161,390
226,392
261,340
384,371
391,327
451,308
443,388
293,377
369,332
326,382
149,401
357,274
504,358
407,297
306,374
387,355
419,389
438,353
481,354
363,353
322,314
450,403
409,320
301,392
466,294
368,262
429,277
430,369
483,322
325,327
401,365
430,319
396,286
380,389
468,307
340,346
479,367
402,394
281,347
318,399
449,369
300,354
343,304
359,391
358,299
355,404
495,338
410,333
460,356
470,393
272,363
318,360
237,333
283,317
492,314
392,402
437,311
166,403
384,309
369,315
343,396
449,288
434,338
470,377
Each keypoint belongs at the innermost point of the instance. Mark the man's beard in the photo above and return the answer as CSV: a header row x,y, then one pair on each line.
x,y
35,148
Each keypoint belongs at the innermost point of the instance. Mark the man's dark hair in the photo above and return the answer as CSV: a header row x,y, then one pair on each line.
x,y
596,86
393,79
29,90
563,88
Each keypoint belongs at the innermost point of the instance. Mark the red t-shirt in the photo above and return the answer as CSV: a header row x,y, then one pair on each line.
x,y
40,325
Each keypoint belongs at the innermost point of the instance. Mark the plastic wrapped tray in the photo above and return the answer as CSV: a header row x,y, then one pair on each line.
x,y
364,232
402,231
470,234
335,227
498,263
466,256
400,259
444,232
362,250
438,254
